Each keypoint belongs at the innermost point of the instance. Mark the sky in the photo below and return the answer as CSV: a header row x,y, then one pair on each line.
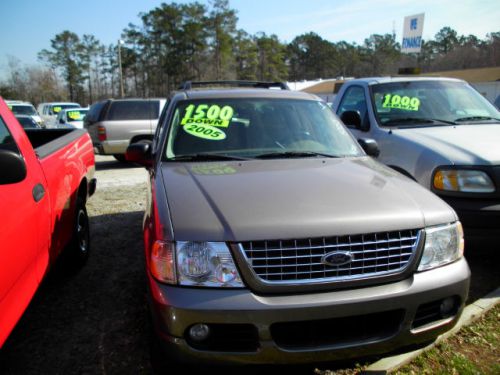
x,y
27,26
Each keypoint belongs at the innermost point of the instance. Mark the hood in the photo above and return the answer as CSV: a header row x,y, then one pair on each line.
x,y
294,198
460,144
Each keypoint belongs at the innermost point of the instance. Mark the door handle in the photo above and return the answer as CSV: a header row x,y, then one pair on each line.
x,y
38,192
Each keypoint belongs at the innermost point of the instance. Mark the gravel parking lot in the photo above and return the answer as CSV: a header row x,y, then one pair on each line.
x,y
95,321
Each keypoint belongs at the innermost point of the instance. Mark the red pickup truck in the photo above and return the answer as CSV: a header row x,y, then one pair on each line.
x,y
46,176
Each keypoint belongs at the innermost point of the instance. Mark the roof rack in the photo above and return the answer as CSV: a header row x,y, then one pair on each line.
x,y
188,85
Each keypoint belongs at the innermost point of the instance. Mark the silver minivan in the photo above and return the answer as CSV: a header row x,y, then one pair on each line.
x,y
113,124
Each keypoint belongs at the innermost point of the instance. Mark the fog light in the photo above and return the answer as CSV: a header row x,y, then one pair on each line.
x,y
447,307
199,332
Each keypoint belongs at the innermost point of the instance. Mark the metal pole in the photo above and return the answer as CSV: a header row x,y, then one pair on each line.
x,y
120,64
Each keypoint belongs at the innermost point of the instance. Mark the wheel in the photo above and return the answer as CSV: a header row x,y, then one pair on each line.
x,y
79,246
120,158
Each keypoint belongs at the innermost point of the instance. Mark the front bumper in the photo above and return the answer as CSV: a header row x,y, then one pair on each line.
x,y
176,309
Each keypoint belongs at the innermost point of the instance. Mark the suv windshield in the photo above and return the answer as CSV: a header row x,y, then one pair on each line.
x,y
255,127
424,103
23,110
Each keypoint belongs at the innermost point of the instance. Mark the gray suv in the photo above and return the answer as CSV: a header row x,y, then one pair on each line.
x,y
115,123
272,237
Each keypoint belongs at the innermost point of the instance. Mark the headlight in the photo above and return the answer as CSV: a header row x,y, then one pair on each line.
x,y
463,180
207,264
443,245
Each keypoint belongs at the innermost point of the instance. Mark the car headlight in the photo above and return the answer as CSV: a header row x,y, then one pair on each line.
x,y
206,264
463,180
443,244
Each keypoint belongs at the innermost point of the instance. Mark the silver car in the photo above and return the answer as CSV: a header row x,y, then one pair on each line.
x,y
113,124
272,237
438,131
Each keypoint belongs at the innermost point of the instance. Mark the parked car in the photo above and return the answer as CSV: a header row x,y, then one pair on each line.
x,y
24,109
27,122
49,111
113,124
72,117
439,132
47,176
271,237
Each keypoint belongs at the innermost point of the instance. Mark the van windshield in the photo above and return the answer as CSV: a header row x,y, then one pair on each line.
x,y
424,103
253,127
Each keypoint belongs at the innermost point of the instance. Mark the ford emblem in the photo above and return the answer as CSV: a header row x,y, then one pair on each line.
x,y
337,258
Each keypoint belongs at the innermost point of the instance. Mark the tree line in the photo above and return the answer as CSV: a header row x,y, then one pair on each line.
x,y
176,42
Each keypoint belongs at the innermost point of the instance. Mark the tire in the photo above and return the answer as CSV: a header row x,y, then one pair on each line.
x,y
120,158
79,246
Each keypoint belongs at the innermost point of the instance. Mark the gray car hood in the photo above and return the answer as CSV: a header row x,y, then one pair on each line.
x,y
294,198
461,144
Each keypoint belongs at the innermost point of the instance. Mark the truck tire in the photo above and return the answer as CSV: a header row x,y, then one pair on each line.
x,y
79,245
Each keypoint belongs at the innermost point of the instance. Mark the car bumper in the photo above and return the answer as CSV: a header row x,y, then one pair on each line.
x,y
284,325
480,218
111,147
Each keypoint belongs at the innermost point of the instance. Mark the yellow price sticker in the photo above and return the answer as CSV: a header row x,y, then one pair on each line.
x,y
74,115
56,109
212,115
205,131
405,103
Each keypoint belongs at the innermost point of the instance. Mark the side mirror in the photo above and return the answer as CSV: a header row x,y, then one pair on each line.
x,y
12,166
351,119
140,153
370,146
61,121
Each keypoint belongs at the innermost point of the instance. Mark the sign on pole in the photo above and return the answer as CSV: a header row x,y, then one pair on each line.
x,y
412,33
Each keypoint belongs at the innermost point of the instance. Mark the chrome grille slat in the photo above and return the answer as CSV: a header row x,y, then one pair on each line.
x,y
321,264
337,246
299,260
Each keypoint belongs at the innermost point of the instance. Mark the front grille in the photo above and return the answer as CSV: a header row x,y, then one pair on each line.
x,y
292,261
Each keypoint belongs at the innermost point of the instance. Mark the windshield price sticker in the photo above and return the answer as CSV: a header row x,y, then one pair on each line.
x,y
401,102
215,169
209,115
74,115
204,131
56,109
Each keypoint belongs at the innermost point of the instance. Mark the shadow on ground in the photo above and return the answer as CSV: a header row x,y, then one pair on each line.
x,y
94,321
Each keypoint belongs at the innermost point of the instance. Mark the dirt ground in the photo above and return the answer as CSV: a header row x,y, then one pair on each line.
x,y
95,322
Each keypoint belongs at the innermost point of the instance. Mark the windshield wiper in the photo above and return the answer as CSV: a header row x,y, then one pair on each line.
x,y
476,118
417,120
205,157
294,154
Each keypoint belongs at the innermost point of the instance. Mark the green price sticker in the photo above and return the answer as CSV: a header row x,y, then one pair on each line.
x,y
210,115
56,109
213,169
205,131
401,102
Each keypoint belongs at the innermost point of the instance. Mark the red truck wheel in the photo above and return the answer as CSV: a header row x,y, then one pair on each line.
x,y
79,246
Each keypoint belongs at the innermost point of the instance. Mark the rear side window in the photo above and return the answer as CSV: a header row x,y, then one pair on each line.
x,y
94,111
133,110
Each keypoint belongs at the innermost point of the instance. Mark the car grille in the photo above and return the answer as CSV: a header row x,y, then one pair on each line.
x,y
302,261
